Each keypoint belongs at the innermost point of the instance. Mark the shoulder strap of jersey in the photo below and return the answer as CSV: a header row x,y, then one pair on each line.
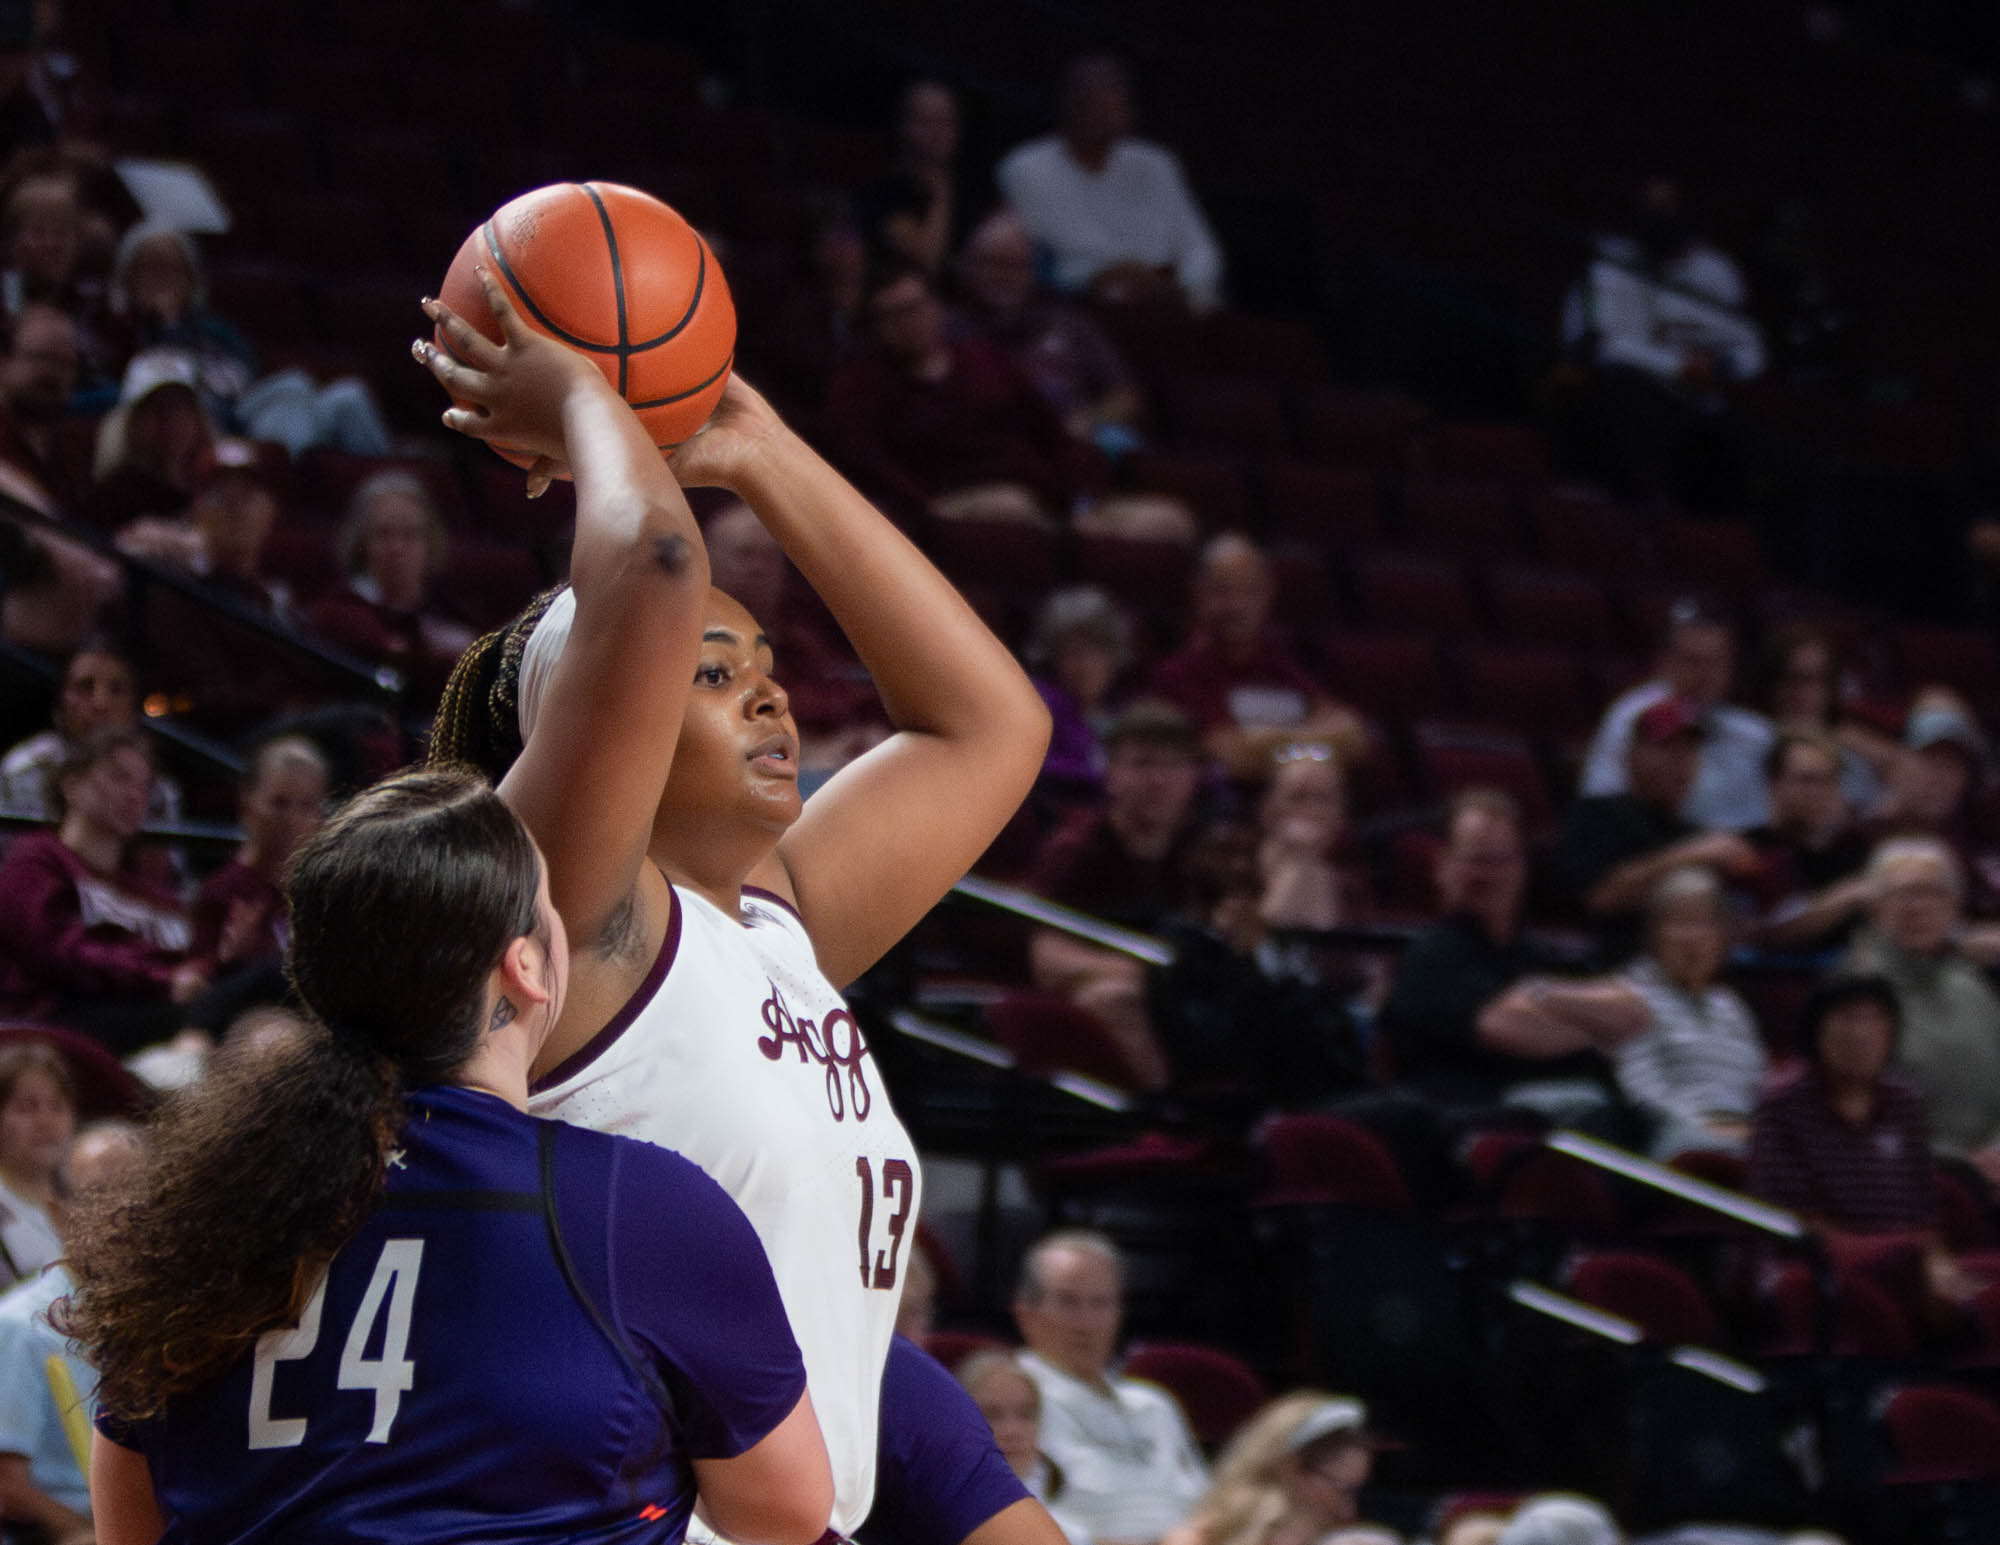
x,y
655,1385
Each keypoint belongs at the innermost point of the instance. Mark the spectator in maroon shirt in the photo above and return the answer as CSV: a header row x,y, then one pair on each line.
x,y
1124,863
83,939
1072,361
240,916
1237,677
1847,1144
947,427
392,544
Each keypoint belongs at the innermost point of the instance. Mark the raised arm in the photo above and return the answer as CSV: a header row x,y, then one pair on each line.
x,y
890,834
589,779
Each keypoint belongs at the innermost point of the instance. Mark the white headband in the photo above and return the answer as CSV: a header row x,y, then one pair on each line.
x,y
538,660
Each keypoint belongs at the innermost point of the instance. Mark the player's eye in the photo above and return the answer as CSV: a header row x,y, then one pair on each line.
x,y
711,675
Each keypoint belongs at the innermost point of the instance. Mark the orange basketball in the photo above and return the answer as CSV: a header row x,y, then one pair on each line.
x,y
618,276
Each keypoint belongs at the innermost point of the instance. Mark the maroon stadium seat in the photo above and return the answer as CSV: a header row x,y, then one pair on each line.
x,y
1407,591
1536,605
1211,483
1940,1433
1311,502
1395,676
1461,515
1656,1295
1509,453
1049,1034
1230,413
1350,429
1577,531
1453,757
1324,1159
1522,687
1216,1389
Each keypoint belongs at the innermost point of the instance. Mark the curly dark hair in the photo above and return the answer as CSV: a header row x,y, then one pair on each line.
x,y
402,903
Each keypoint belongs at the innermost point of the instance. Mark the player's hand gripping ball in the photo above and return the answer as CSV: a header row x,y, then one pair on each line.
x,y
621,278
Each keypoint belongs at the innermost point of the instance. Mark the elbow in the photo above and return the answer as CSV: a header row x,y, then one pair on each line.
x,y
796,1514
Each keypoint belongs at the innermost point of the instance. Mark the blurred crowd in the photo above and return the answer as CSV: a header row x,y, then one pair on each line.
x,y
1712,878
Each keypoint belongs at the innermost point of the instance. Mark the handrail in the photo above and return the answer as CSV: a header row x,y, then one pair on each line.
x,y
1577,1314
1719,1199
1025,903
381,679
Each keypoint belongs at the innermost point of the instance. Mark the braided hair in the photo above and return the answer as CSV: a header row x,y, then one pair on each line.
x,y
478,719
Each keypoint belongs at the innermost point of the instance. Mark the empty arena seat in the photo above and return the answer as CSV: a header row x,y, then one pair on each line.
x,y
1049,1034
1939,1433
1233,413
1583,532
1509,453
1147,573
1312,1159
1211,483
1523,687
1666,1303
1472,516
1395,676
1352,429
1309,501
1534,604
1413,592
1452,757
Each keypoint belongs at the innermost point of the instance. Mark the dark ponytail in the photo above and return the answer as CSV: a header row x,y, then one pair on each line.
x,y
402,903
477,723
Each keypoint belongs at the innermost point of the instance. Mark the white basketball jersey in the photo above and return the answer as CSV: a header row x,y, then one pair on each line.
x,y
739,1054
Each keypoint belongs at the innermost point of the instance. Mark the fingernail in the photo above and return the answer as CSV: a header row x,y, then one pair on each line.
x,y
428,301
421,350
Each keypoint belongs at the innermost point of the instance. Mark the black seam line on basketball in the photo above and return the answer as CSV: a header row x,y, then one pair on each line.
x,y
617,282
535,311
702,386
694,302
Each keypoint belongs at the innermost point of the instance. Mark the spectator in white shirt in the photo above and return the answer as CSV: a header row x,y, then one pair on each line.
x,y
1113,212
1697,663
1696,1071
1131,1465
41,1485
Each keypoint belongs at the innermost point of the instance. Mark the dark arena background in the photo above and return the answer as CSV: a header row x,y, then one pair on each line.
x,y
1512,639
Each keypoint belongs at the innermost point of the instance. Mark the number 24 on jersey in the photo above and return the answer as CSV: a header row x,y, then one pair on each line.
x,y
388,1375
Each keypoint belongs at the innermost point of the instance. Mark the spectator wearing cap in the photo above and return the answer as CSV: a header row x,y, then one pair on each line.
x,y
1131,1467
1808,888
1696,1070
1614,848
1113,213
1237,677
159,297
1696,664
1291,1476
392,545
1125,863
1933,788
154,447
1947,1009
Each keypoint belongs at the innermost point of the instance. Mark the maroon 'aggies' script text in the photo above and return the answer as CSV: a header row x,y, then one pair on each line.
x,y
821,1043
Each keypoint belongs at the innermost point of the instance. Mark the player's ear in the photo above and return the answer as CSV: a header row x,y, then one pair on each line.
x,y
525,974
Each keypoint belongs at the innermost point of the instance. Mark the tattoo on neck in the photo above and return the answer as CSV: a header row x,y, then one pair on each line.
x,y
503,1015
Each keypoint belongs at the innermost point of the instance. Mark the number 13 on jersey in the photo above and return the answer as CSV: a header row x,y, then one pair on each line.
x,y
898,1189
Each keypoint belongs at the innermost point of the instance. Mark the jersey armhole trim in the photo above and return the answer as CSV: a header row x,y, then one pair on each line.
x,y
620,1022
775,900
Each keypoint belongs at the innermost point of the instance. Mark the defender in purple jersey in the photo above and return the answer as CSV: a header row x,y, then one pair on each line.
x,y
361,1294
939,1478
